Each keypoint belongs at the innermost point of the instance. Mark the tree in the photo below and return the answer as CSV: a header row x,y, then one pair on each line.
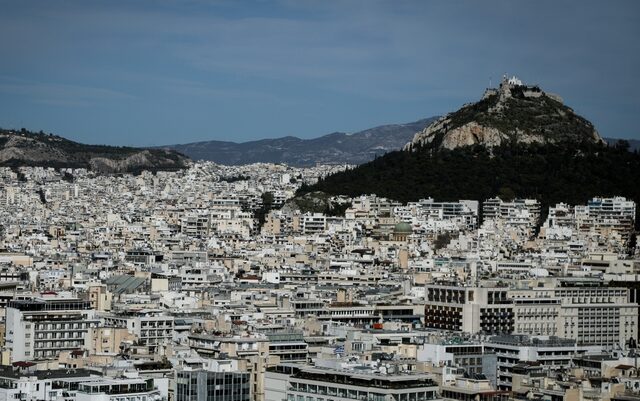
x,y
622,145
267,205
267,200
506,194
442,240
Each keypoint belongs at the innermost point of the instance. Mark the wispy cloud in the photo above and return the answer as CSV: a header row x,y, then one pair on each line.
x,y
60,94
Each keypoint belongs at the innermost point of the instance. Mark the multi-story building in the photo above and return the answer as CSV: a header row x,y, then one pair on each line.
x,y
105,389
288,346
456,352
40,328
616,213
536,312
582,310
293,383
313,223
597,315
553,353
254,351
463,212
195,225
604,220
151,327
471,310
207,385
18,383
515,211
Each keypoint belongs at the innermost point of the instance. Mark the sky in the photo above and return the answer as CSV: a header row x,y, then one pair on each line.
x,y
160,72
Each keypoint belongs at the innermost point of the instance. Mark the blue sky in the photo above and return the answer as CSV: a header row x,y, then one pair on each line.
x,y
161,72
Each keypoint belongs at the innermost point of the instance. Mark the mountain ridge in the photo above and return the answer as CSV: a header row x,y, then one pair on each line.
x,y
29,149
335,147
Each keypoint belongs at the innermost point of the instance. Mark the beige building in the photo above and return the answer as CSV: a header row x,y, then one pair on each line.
x,y
108,340
99,297
470,309
589,314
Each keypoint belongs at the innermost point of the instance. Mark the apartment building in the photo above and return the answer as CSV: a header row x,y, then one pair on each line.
x,y
195,225
40,328
516,211
553,353
288,346
313,223
609,215
313,383
463,212
152,327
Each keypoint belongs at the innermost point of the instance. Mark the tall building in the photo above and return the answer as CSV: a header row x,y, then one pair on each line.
x,y
40,328
468,309
582,310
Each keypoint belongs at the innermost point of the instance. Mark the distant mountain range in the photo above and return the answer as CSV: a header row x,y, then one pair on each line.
x,y
338,147
634,144
24,148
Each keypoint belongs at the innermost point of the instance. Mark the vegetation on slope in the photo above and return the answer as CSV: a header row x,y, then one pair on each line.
x,y
25,148
553,173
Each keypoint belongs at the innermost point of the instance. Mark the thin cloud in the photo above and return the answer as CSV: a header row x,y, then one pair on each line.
x,y
61,94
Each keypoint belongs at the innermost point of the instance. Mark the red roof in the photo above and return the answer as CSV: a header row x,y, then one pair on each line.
x,y
23,364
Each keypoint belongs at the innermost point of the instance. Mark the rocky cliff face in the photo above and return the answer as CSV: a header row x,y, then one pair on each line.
x,y
512,113
23,148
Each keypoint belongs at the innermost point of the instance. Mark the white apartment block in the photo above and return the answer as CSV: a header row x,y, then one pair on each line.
x,y
294,383
313,223
41,328
152,327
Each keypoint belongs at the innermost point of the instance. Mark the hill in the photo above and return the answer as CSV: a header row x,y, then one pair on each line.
x,y
337,147
554,158
24,148
512,113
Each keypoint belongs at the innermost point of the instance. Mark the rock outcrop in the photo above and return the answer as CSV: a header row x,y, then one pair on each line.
x,y
23,148
512,113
